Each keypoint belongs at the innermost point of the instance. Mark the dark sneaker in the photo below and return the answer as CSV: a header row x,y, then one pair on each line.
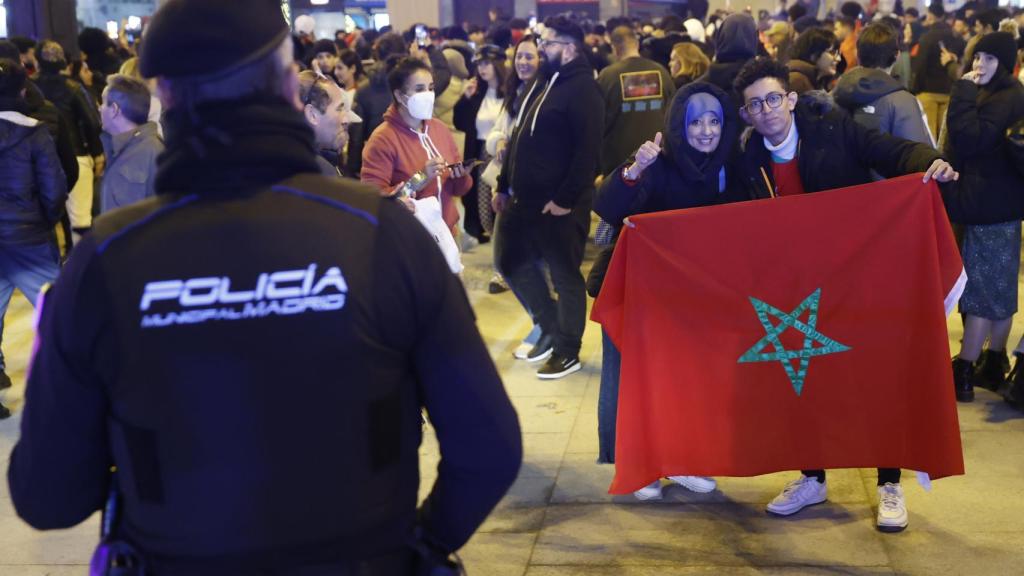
x,y
963,380
558,366
5,380
992,368
542,350
4,412
497,285
1014,391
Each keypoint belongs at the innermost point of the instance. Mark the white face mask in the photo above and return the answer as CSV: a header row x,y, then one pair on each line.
x,y
421,105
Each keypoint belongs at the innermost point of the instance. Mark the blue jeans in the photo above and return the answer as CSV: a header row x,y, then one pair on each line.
x,y
26,268
608,400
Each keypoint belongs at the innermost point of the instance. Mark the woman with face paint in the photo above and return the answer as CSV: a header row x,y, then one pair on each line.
x,y
411,154
685,166
984,104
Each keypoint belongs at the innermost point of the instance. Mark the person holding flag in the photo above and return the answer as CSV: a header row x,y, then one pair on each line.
x,y
683,167
800,146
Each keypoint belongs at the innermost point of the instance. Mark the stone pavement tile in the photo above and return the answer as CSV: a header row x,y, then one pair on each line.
x,y
22,544
989,412
547,413
707,571
47,570
581,480
521,382
965,504
542,455
994,452
583,439
707,535
498,554
941,553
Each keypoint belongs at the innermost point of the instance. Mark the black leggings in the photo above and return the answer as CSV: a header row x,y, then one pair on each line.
x,y
885,475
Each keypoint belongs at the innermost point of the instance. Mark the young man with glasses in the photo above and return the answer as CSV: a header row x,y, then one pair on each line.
x,y
801,146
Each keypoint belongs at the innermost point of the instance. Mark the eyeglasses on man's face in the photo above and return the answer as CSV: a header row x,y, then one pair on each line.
x,y
770,102
542,42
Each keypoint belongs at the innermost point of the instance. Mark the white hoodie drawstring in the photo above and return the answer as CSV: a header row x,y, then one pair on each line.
x,y
526,101
533,125
432,152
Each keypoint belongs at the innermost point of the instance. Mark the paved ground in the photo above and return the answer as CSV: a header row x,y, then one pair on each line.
x,y
558,520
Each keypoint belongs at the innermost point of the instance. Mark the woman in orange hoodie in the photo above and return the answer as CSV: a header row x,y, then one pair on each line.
x,y
411,150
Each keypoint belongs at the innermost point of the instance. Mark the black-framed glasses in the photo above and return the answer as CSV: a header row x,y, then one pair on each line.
x,y
757,105
542,42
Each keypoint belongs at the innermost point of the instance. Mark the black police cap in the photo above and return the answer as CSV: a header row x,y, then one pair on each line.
x,y
208,38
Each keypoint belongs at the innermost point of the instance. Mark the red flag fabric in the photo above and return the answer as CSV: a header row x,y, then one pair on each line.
x,y
803,332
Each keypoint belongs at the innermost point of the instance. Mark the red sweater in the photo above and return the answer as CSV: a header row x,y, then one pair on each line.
x,y
394,153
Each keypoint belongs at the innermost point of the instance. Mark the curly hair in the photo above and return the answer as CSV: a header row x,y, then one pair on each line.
x,y
759,69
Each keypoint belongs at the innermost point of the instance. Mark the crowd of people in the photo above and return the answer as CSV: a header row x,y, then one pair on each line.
x,y
506,133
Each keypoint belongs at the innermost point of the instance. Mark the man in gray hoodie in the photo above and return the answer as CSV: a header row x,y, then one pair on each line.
x,y
873,97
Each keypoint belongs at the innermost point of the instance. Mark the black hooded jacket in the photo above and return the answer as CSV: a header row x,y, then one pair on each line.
x,y
681,177
162,352
78,109
554,152
38,107
32,185
991,187
735,44
834,151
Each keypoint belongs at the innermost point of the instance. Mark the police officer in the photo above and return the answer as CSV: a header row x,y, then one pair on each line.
x,y
252,347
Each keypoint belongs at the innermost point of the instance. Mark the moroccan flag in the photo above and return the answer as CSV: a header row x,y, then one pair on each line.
x,y
794,333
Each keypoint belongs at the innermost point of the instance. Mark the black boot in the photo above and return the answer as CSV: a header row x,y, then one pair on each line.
x,y
1014,391
963,380
4,412
992,368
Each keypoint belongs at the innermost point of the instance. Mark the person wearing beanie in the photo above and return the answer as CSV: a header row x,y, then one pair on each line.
x,y
101,54
444,104
984,104
164,345
325,54
82,115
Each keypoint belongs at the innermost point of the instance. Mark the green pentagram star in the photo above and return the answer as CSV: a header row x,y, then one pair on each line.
x,y
809,330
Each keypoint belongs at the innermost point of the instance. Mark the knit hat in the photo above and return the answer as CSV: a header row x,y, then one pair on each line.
x,y
700,103
201,38
321,46
694,29
456,63
1002,46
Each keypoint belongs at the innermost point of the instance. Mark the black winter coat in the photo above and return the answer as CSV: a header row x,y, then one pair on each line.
x,y
78,109
32,185
43,110
554,154
675,181
834,152
991,188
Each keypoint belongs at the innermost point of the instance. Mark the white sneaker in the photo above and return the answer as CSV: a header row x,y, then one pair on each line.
x,y
698,484
650,492
797,495
522,352
892,508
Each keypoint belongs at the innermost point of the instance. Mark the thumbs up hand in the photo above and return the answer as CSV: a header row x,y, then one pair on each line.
x,y
645,156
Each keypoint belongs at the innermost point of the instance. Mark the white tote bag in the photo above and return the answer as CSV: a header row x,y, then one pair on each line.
x,y
428,212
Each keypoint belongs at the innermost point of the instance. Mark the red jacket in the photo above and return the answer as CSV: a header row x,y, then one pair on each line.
x,y
395,152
